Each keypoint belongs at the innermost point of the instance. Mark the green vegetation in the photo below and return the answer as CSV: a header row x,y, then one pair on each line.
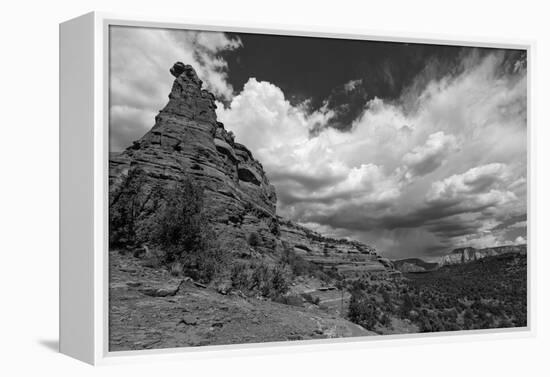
x,y
129,207
300,267
168,218
260,278
363,310
254,239
489,293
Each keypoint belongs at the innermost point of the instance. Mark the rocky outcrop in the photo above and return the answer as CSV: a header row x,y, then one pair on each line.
x,y
350,258
188,141
470,254
414,265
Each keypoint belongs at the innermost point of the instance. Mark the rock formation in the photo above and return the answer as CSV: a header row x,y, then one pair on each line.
x,y
414,265
187,140
470,254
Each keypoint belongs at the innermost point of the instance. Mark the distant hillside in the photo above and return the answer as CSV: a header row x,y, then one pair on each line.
x,y
470,254
414,265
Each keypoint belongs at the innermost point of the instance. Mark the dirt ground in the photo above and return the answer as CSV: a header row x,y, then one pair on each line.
x,y
148,308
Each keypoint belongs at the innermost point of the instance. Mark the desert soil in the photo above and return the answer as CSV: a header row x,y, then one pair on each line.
x,y
149,308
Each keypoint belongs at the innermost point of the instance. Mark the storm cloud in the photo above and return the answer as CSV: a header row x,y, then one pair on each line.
x,y
415,162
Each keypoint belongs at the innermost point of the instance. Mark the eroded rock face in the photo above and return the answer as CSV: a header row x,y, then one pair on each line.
x,y
350,258
470,254
187,140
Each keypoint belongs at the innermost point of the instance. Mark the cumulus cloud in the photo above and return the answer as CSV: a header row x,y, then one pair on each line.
x,y
418,175
352,84
479,183
140,81
305,168
443,165
426,158
520,240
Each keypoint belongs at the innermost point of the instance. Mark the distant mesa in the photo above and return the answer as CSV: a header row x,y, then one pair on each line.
x,y
456,256
470,254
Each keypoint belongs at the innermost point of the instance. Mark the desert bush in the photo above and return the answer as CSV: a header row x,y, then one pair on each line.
x,y
298,265
279,283
407,305
269,282
385,320
130,205
274,227
176,269
181,229
362,310
253,239
240,278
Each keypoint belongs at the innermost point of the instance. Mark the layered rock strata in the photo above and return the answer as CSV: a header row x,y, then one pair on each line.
x,y
470,254
188,141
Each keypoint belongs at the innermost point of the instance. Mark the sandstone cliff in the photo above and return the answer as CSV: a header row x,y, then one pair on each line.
x,y
187,140
470,254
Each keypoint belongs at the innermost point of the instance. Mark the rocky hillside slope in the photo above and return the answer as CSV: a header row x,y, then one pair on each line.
x,y
470,254
414,265
150,308
187,140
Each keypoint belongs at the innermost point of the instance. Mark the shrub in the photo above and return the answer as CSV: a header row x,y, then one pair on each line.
x,y
385,320
407,305
274,227
181,229
208,264
240,278
298,265
269,282
279,283
362,310
130,204
253,239
261,280
176,269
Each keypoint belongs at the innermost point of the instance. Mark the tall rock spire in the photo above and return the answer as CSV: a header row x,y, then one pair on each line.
x,y
187,141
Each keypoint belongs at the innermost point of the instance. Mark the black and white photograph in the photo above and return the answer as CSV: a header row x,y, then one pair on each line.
x,y
274,188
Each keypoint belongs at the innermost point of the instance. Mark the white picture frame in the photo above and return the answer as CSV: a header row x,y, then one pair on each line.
x,y
84,189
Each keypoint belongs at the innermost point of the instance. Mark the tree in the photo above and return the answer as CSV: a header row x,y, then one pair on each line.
x,y
362,310
407,305
182,230
133,200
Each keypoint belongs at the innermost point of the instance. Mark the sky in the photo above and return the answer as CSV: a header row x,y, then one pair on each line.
x,y
415,149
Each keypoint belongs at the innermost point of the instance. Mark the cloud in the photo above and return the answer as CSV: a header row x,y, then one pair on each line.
x,y
520,240
519,224
139,79
352,84
440,166
426,158
305,168
477,183
414,176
